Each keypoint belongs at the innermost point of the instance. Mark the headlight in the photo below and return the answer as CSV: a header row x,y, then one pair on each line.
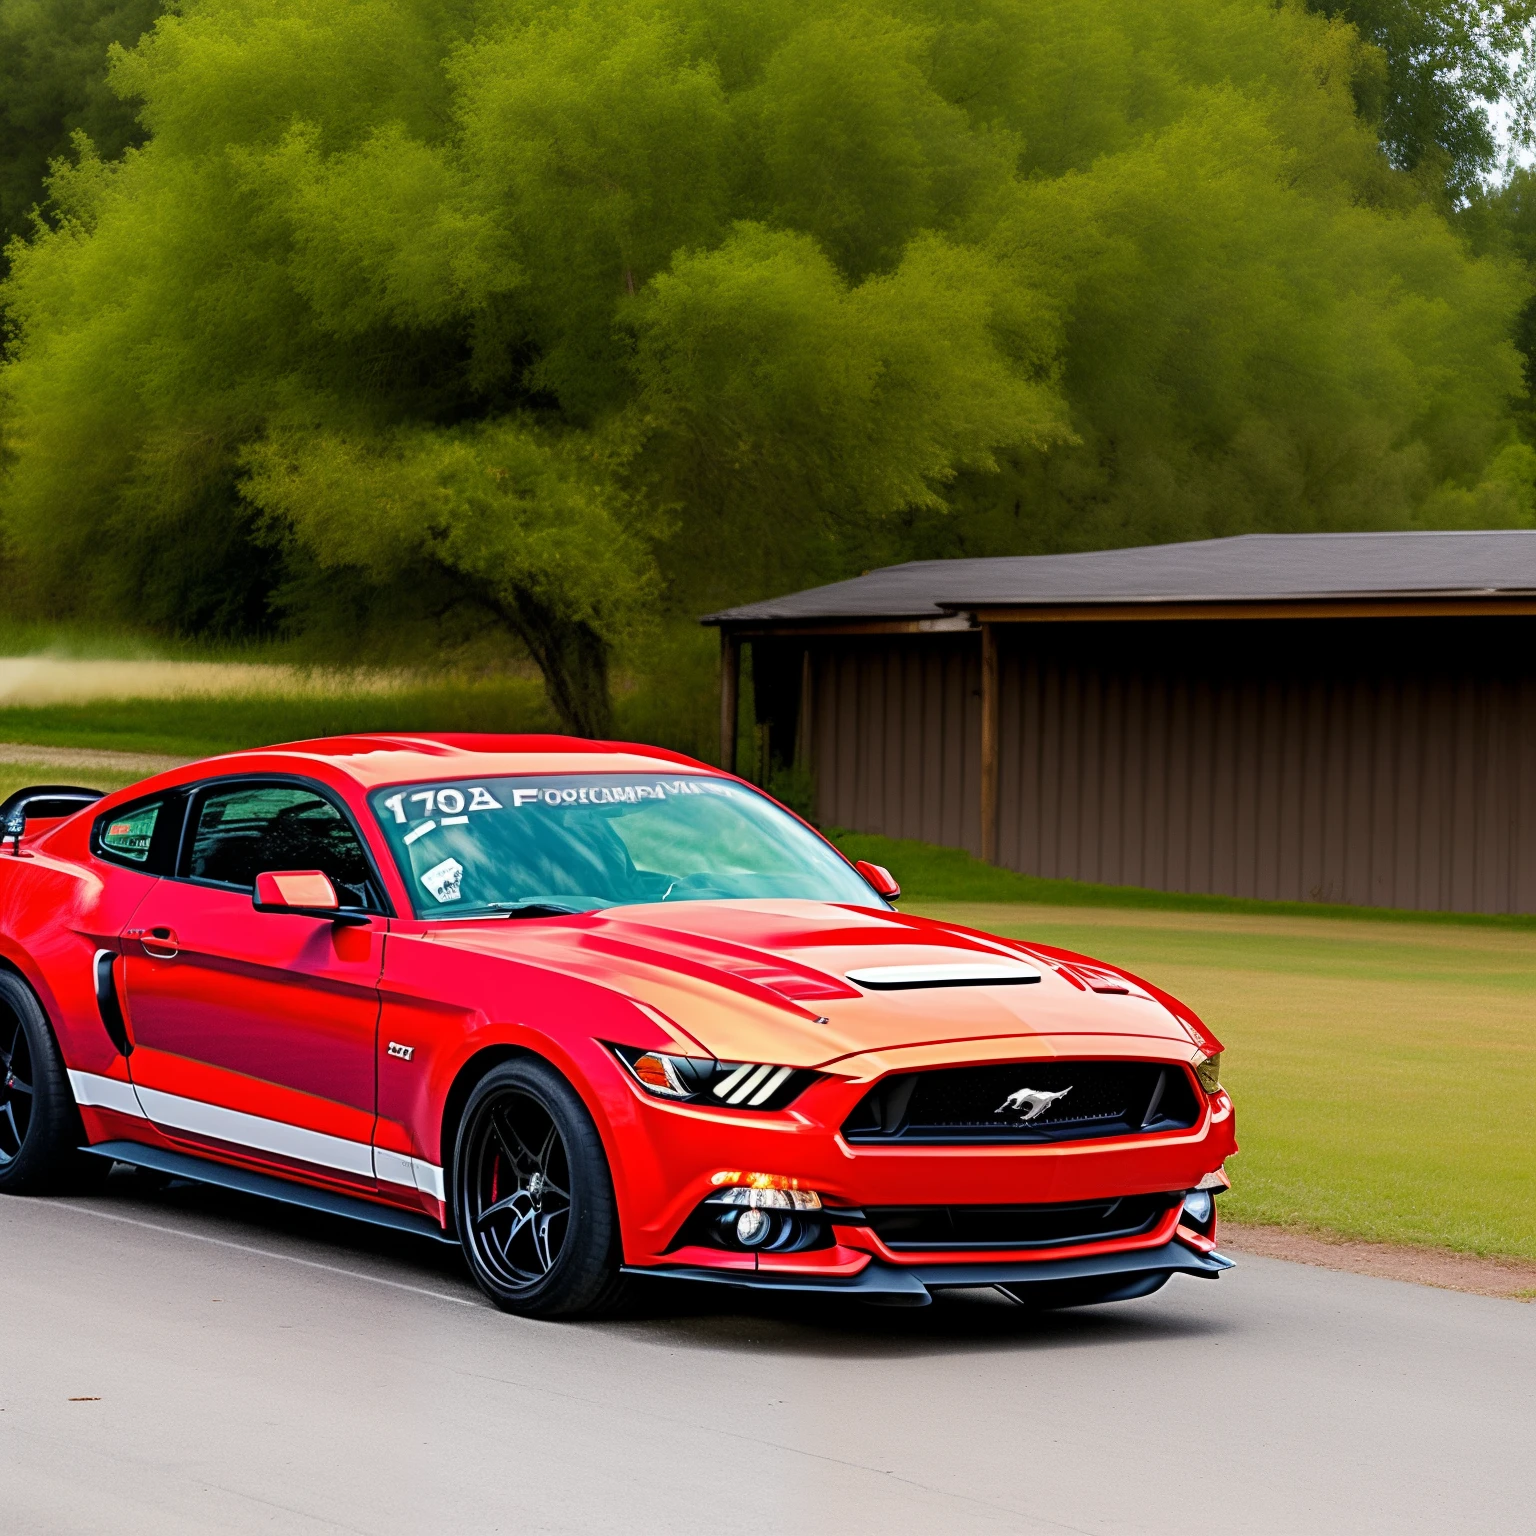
x,y
769,1199
720,1084
1208,1072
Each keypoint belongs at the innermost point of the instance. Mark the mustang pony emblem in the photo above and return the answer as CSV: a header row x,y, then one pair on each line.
x,y
1031,1103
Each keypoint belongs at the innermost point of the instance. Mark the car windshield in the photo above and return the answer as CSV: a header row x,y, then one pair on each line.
x,y
577,842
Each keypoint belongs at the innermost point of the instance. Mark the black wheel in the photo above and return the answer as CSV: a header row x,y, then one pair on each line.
x,y
1050,1295
39,1125
533,1198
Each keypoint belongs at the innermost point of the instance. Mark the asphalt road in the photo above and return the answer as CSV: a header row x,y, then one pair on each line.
x,y
183,1361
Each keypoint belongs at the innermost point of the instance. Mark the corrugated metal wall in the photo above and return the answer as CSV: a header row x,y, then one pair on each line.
x,y
1376,762
896,737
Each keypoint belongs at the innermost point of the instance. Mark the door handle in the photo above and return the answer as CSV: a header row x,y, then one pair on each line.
x,y
160,943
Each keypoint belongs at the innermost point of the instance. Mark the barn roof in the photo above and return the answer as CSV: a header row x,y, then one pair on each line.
x,y
1251,568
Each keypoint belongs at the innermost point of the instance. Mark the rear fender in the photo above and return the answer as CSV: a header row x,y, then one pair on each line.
x,y
54,918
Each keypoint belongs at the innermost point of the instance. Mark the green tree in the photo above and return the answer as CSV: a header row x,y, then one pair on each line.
x,y
1447,66
553,315
53,83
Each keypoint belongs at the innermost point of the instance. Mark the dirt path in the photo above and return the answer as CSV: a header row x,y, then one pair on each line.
x,y
1440,1267
83,757
61,680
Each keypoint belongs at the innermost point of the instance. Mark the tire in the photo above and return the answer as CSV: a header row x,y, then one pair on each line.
x,y
1052,1295
40,1131
533,1197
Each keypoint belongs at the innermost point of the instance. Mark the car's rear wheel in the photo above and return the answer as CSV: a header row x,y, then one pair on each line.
x,y
533,1197
39,1124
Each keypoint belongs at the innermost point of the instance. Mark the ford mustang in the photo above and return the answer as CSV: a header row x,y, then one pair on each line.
x,y
595,1012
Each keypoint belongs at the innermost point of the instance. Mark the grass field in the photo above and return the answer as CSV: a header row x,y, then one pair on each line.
x,y
930,873
664,691
1383,1063
1384,1072
15,776
196,725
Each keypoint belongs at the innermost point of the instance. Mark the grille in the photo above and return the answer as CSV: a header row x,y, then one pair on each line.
x,y
979,1105
1017,1226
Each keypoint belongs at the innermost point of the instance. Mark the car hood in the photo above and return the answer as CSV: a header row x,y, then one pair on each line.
x,y
768,980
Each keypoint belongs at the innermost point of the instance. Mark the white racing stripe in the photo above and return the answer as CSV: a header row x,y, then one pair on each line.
x,y
264,1135
411,1172
105,1093
257,1132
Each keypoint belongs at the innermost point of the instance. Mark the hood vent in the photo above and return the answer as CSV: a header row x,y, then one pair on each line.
x,y
979,973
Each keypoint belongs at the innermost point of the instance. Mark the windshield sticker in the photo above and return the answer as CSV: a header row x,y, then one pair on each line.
x,y
617,794
448,802
443,880
421,831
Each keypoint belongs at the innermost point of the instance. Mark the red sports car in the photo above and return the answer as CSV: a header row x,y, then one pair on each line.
x,y
594,1011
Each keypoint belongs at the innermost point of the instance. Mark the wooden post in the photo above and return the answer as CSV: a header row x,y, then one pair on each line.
x,y
989,742
803,724
730,689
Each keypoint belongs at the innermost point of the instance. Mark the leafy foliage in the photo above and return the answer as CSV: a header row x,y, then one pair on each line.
x,y
53,83
1446,64
554,315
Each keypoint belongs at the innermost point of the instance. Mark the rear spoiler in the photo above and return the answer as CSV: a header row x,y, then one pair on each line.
x,y
40,802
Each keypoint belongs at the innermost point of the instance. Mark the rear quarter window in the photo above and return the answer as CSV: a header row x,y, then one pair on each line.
x,y
127,834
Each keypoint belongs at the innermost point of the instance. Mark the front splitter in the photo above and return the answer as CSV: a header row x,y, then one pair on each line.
x,y
912,1286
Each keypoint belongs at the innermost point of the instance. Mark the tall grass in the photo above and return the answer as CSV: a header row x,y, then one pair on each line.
x,y
665,691
196,725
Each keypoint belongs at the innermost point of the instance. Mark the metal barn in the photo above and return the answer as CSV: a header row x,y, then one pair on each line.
x,y
1300,717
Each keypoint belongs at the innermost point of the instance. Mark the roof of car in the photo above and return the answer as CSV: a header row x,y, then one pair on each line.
x,y
1247,568
379,758
385,759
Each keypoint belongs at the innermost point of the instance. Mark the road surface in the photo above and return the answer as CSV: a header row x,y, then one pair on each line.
x,y
184,1361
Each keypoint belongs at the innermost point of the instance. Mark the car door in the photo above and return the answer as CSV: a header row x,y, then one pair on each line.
x,y
255,1032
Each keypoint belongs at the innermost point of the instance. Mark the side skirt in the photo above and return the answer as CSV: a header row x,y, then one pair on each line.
x,y
201,1171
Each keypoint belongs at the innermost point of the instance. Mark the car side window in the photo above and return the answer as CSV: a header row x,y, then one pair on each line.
x,y
126,835
250,828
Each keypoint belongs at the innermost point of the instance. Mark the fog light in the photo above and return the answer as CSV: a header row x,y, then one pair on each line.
x,y
765,1218
1199,1207
752,1227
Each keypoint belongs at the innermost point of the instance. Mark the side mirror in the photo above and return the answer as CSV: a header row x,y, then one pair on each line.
x,y
303,892
881,878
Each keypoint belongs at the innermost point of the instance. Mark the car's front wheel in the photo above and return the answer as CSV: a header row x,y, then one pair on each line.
x,y
533,1197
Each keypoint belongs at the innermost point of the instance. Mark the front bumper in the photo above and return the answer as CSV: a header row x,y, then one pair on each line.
x,y
912,1285
669,1158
